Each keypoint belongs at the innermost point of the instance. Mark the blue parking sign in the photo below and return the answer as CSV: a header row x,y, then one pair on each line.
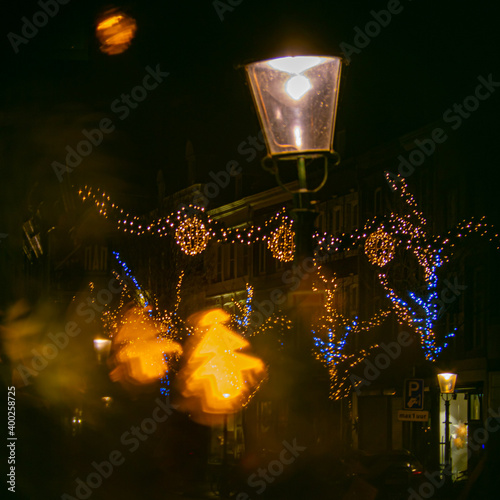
x,y
414,394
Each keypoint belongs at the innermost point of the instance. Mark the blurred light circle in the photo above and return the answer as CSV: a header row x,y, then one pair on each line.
x,y
115,31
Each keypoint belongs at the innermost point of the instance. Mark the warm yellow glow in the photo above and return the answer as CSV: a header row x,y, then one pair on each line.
x,y
102,348
192,236
380,248
335,329
218,377
281,242
297,132
102,345
295,65
115,32
297,86
140,358
107,400
111,21
447,382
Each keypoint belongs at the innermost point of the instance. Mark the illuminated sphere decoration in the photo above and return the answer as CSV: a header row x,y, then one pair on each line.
x,y
192,236
380,248
281,243
115,31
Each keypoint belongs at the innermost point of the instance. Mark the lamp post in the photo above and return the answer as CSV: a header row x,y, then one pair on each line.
x,y
296,101
447,383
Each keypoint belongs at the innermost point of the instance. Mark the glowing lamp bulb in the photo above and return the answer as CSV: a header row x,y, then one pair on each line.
x,y
102,348
297,86
447,382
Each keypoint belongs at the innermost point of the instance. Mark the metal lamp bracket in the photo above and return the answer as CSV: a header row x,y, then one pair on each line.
x,y
271,164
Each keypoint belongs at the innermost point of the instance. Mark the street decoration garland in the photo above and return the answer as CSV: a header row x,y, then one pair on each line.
x,y
382,239
193,229
192,235
380,247
281,241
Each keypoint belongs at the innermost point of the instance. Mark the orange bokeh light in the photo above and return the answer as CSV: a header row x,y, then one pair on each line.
x,y
115,31
140,353
218,378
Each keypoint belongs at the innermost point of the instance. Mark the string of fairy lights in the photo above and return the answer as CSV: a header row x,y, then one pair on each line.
x,y
149,321
242,319
383,240
193,229
409,230
331,334
167,326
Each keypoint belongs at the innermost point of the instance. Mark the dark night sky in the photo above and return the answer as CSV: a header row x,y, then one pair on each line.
x,y
427,58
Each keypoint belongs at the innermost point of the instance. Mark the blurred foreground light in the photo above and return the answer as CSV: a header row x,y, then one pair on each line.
x,y
115,31
447,382
218,378
102,348
107,401
296,100
140,357
76,421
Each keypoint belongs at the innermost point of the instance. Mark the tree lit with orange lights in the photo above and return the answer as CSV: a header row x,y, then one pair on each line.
x,y
218,379
332,335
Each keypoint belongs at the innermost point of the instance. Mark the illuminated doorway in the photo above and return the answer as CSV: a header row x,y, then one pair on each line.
x,y
465,414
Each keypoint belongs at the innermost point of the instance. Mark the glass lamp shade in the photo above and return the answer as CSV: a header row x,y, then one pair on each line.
x,y
296,100
447,382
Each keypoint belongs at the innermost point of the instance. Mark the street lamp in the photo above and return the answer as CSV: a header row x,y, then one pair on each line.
x,y
447,383
296,101
296,98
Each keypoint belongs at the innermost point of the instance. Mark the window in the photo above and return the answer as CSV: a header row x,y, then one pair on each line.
x,y
242,260
231,261
354,215
348,217
218,270
262,257
337,221
345,298
320,223
475,405
96,258
352,308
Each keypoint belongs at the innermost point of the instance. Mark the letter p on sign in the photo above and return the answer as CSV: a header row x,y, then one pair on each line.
x,y
414,394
